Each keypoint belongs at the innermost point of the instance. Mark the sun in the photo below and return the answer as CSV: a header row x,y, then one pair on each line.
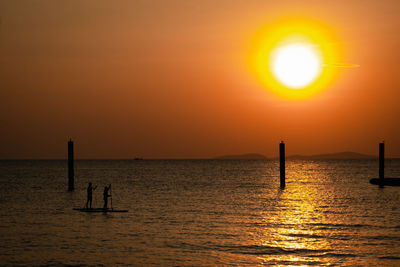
x,y
293,57
296,65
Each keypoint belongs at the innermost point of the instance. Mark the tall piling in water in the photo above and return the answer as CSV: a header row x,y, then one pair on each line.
x,y
70,165
382,181
381,162
282,163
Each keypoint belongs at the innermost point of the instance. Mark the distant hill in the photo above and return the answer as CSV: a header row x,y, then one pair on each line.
x,y
242,156
340,155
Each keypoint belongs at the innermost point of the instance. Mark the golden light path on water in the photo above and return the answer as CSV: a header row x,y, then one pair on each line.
x,y
295,209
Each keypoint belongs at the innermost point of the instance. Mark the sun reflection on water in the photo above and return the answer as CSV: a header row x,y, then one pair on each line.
x,y
296,208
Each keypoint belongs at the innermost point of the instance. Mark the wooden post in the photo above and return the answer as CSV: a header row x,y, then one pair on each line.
x,y
70,165
282,163
381,163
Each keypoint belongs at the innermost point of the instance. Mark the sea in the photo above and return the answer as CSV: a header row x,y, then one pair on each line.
x,y
200,213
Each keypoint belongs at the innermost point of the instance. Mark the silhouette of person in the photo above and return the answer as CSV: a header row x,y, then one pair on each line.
x,y
89,195
106,195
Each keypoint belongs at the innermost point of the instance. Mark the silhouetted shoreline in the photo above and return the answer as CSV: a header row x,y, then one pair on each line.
x,y
340,155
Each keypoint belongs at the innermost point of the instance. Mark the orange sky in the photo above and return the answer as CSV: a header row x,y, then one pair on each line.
x,y
169,79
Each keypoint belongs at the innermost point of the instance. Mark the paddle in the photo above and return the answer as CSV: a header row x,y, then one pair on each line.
x,y
111,197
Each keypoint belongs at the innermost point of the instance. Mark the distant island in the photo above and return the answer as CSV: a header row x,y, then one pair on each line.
x,y
340,155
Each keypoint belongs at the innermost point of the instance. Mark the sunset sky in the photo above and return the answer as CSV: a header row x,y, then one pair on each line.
x,y
171,79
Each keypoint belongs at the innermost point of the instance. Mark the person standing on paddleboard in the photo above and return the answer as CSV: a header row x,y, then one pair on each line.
x,y
89,195
106,195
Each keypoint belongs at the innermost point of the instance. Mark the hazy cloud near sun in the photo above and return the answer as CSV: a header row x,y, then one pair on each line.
x,y
342,65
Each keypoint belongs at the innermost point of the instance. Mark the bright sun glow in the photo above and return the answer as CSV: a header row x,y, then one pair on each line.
x,y
293,57
296,65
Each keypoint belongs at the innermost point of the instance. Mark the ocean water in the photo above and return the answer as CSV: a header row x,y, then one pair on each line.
x,y
200,213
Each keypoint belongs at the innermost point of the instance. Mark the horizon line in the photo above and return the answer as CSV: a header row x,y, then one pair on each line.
x,y
213,158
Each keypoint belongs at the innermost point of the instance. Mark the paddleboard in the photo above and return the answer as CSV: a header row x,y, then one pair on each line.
x,y
99,210
386,181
